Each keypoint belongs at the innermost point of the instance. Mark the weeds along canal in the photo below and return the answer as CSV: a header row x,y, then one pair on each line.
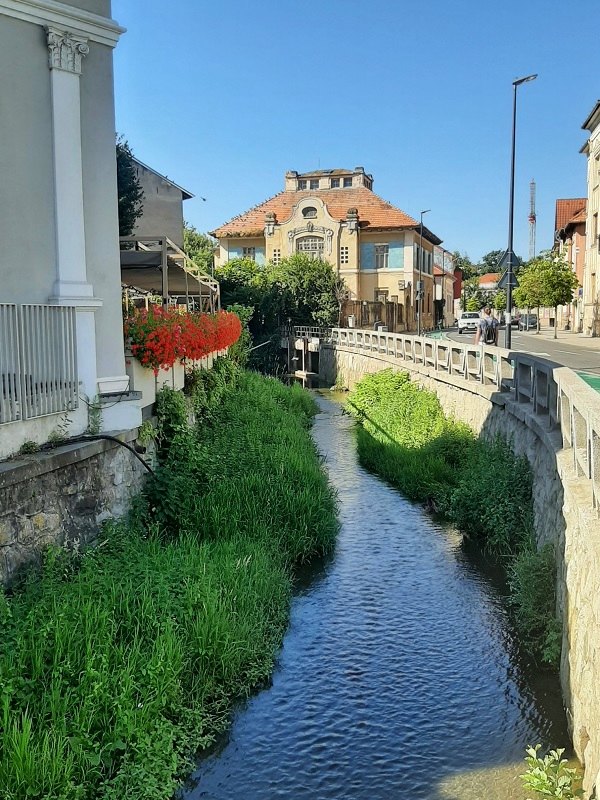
x,y
400,676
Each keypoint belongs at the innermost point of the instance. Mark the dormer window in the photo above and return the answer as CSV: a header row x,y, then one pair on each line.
x,y
309,213
335,183
301,184
314,184
347,183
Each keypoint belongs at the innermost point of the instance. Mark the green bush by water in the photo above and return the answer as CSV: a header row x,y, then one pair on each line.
x,y
117,666
479,485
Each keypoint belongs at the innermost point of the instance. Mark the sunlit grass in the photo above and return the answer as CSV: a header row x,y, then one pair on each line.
x,y
116,668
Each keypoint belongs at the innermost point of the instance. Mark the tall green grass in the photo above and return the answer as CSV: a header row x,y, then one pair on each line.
x,y
477,484
116,667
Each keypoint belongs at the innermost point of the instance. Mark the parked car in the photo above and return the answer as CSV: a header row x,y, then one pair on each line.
x,y
528,322
468,321
514,321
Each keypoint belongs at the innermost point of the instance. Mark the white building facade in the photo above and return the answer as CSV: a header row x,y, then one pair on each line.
x,y
591,284
61,343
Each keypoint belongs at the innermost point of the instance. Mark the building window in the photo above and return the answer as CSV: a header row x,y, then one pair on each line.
x,y
311,245
309,213
249,252
381,295
344,255
381,256
314,184
335,183
347,183
301,184
276,255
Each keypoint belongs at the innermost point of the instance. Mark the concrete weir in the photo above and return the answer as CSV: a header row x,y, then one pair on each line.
x,y
551,416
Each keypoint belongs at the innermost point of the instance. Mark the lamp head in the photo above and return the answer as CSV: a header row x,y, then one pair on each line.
x,y
526,79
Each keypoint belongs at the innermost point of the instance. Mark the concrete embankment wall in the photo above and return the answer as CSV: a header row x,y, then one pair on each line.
x,y
564,515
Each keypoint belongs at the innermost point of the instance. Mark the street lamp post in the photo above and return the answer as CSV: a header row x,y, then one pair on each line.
x,y
511,212
420,290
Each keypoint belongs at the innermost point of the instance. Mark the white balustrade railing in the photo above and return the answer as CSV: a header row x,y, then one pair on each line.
x,y
554,392
38,365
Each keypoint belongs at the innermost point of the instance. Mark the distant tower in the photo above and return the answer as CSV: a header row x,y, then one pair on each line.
x,y
532,219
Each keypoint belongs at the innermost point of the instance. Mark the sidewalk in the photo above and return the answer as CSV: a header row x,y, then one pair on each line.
x,y
565,337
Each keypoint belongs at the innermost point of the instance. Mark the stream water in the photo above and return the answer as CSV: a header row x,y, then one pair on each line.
x,y
400,677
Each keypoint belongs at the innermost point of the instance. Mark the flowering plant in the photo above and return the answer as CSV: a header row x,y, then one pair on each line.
x,y
161,336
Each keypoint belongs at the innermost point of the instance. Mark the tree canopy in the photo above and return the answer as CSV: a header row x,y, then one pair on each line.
x,y
199,247
546,281
130,192
299,290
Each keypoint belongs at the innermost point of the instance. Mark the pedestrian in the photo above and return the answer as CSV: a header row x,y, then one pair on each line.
x,y
487,328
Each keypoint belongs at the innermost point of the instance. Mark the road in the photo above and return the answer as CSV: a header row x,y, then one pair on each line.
x,y
574,351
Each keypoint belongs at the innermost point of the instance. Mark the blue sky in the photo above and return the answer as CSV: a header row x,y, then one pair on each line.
x,y
224,97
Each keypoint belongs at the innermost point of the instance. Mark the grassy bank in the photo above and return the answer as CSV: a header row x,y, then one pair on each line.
x,y
479,485
116,666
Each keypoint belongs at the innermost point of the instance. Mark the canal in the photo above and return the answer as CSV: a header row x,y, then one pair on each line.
x,y
400,677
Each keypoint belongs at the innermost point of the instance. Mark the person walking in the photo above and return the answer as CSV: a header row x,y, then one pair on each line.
x,y
487,328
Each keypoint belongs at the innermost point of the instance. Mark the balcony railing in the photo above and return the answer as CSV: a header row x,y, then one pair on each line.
x,y
556,393
38,364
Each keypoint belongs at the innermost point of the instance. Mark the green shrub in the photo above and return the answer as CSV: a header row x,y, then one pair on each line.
x,y
116,667
550,776
492,498
479,485
532,577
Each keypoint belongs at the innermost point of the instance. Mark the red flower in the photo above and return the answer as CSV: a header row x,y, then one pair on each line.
x,y
161,336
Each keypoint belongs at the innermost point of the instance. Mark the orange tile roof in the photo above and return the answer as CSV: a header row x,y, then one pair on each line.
x,y
580,216
489,277
374,213
440,271
566,210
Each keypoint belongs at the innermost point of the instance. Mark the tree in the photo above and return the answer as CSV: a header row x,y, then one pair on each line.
x,y
473,297
301,290
199,247
528,292
490,261
309,287
548,281
464,263
129,189
500,300
558,282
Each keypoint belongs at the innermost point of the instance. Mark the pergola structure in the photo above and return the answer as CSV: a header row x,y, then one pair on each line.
x,y
155,265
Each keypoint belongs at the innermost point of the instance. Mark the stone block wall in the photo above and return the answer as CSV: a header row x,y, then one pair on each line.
x,y
564,515
62,497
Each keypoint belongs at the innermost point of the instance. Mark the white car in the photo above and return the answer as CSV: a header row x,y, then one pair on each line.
x,y
468,321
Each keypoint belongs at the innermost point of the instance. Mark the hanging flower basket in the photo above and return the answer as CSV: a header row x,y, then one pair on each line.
x,y
160,337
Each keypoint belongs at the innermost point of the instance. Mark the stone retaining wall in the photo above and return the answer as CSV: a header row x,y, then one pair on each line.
x,y
62,497
564,515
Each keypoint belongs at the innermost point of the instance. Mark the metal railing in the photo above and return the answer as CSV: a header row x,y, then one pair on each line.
x,y
555,393
38,365
311,331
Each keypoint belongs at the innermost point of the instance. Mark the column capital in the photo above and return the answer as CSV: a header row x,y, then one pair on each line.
x,y
65,50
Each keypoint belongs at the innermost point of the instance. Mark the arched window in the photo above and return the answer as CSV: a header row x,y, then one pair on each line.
x,y
309,212
311,245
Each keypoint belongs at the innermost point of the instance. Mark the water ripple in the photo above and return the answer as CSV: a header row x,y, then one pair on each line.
x,y
399,675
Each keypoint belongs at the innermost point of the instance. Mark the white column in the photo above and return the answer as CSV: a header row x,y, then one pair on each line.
x,y
65,58
71,287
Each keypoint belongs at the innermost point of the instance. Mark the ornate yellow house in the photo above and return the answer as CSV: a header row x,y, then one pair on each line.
x,y
335,215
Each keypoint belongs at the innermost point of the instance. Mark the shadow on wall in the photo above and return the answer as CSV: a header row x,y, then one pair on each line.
x,y
560,500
